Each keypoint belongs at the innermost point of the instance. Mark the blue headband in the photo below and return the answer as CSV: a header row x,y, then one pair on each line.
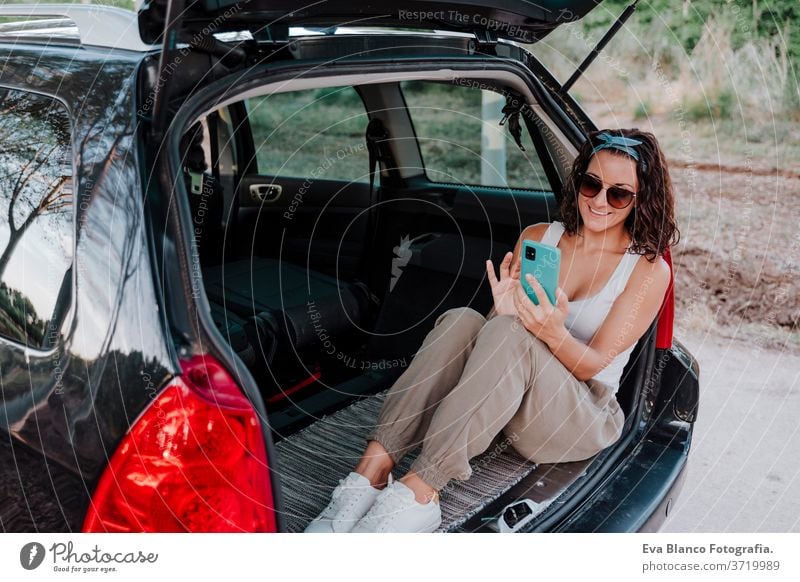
x,y
623,144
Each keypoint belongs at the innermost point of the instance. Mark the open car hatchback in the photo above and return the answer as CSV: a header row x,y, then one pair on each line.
x,y
256,211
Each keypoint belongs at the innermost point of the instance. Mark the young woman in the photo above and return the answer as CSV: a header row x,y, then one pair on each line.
x,y
544,375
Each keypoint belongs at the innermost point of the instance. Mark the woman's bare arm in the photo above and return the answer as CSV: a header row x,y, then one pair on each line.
x,y
630,316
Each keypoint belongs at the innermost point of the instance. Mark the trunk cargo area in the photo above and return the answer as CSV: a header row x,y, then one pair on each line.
x,y
312,460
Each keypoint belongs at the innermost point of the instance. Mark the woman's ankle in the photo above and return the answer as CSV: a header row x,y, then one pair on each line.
x,y
375,464
377,477
423,492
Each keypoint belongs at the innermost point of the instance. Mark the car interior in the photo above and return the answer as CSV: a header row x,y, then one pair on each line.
x,y
295,247
335,223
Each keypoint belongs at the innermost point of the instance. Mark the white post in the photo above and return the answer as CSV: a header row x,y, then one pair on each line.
x,y
493,140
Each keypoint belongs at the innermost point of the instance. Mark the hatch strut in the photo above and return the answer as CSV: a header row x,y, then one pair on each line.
x,y
600,45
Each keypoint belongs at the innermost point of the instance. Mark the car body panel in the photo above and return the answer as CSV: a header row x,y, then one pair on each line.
x,y
633,495
51,400
524,21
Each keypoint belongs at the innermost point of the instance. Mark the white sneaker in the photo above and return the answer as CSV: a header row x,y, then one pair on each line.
x,y
351,499
397,510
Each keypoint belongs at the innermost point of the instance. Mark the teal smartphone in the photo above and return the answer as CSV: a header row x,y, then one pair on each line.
x,y
544,262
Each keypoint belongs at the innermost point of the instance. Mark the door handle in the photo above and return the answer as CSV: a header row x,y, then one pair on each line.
x,y
265,192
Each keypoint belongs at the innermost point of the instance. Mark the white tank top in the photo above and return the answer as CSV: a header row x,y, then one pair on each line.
x,y
586,315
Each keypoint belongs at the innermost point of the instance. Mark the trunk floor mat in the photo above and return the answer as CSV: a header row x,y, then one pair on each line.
x,y
311,462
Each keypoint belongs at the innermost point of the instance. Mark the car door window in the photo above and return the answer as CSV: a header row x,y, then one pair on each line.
x,y
36,216
316,134
461,140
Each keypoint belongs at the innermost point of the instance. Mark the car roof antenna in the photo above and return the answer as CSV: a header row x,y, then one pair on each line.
x,y
600,45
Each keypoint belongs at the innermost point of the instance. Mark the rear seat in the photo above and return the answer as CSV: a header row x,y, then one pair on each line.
x,y
263,306
444,270
304,306
233,330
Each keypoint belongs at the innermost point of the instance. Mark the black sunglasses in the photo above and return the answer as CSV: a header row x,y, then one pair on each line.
x,y
617,197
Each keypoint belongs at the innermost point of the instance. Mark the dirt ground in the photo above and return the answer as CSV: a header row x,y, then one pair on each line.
x,y
737,265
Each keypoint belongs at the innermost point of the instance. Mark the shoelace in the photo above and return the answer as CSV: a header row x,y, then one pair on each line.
x,y
346,486
355,491
386,508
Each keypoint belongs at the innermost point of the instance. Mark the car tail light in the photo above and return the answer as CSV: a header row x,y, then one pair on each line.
x,y
666,317
195,460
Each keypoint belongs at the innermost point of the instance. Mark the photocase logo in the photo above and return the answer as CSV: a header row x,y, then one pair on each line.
x,y
31,555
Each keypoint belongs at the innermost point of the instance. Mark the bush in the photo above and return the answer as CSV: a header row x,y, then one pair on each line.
x,y
714,108
791,99
641,111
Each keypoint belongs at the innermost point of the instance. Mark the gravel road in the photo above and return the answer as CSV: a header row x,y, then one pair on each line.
x,y
744,467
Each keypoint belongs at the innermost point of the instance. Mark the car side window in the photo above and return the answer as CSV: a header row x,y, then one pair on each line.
x,y
461,139
36,217
314,134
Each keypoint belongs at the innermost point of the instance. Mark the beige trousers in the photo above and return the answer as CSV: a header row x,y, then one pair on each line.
x,y
473,378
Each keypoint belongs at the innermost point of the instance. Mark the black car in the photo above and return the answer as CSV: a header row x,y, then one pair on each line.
x,y
227,228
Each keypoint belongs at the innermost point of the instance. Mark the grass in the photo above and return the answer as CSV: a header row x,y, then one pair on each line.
x,y
448,124
316,134
736,101
320,134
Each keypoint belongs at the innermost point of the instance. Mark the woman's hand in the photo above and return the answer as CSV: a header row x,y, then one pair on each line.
x,y
503,290
545,321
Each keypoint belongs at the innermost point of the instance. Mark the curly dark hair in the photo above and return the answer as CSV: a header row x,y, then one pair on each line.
x,y
651,224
